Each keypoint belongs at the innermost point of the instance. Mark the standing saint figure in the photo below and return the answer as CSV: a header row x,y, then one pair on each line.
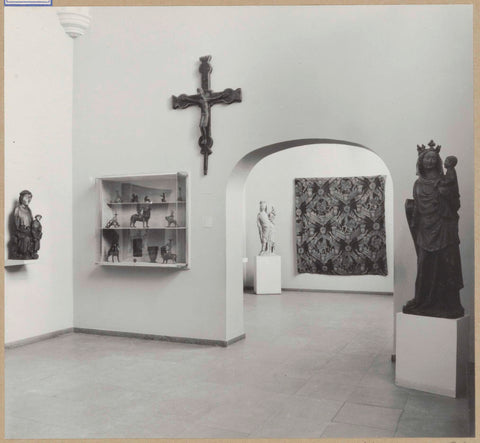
x,y
264,225
433,220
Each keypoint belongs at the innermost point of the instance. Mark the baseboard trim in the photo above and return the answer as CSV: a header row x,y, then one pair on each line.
x,y
235,339
193,341
37,338
336,291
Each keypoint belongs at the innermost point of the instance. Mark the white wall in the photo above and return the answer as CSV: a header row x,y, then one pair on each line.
x,y
272,180
38,157
387,77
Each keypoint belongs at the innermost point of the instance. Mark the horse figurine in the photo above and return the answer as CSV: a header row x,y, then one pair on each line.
x,y
114,252
113,222
171,219
167,255
142,215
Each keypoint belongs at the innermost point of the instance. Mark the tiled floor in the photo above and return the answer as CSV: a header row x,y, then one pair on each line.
x,y
312,365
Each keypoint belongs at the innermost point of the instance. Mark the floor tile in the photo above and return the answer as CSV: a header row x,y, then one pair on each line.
x,y
366,415
344,430
310,408
289,427
326,390
414,425
385,396
238,419
420,403
201,431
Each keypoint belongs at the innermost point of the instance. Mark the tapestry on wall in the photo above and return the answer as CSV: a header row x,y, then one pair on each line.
x,y
340,225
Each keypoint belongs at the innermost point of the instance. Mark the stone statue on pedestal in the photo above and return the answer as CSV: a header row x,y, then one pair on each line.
x,y
266,229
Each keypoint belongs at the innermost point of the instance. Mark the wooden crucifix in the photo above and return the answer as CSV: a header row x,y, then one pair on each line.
x,y
205,99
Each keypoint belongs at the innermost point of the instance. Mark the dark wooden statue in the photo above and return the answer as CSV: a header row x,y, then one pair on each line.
x,y
205,99
433,220
26,231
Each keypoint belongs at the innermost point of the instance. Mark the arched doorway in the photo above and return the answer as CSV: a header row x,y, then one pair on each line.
x,y
236,224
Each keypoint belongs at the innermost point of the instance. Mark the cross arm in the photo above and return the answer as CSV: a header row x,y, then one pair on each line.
x,y
184,101
227,96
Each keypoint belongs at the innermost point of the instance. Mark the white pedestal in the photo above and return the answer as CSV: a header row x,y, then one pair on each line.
x,y
432,353
268,274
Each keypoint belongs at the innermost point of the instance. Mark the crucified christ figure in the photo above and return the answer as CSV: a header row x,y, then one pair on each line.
x,y
205,99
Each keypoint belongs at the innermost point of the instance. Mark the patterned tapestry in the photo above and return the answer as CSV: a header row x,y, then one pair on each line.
x,y
340,225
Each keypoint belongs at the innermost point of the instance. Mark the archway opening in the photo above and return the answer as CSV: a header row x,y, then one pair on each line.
x,y
239,228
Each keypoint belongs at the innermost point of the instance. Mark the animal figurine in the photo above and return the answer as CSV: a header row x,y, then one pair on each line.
x,y
171,219
114,252
143,215
134,198
167,255
112,223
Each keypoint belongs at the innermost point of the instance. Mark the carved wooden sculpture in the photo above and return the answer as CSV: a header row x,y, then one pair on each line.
x,y
26,230
433,220
205,99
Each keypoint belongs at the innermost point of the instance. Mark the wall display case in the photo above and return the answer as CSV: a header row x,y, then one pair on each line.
x,y
143,221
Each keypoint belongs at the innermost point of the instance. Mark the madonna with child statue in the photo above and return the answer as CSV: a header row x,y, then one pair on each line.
x,y
26,230
433,221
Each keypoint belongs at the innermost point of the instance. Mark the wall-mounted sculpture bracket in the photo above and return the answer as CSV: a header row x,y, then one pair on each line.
x,y
205,99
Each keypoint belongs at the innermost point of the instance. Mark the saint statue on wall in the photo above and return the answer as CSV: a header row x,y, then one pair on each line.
x,y
26,230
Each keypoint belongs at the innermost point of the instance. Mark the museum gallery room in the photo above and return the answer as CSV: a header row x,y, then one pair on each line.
x,y
239,222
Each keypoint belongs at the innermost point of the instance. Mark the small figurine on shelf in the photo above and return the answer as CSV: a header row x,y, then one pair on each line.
x,y
164,199
134,198
114,251
147,199
118,198
143,215
152,253
36,235
112,223
171,219
180,198
167,254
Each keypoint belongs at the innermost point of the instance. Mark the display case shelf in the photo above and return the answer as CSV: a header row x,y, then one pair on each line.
x,y
141,203
144,229
154,246
144,264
